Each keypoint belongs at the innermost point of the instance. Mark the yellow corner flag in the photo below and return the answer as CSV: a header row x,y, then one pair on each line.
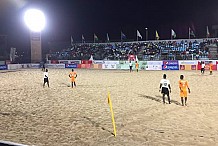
x,y
112,113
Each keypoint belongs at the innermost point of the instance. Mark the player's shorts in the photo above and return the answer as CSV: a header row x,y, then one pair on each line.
x,y
165,91
45,80
183,93
202,69
73,79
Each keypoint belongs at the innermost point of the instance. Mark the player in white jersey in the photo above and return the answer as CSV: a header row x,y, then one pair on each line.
x,y
202,67
165,88
130,66
46,78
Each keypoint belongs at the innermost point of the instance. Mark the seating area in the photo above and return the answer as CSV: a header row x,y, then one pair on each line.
x,y
149,50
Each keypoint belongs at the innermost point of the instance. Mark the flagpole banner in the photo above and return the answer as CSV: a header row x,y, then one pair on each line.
x,y
138,34
173,34
157,35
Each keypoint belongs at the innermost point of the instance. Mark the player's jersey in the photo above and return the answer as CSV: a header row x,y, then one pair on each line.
x,y
210,65
73,75
45,75
136,65
183,85
130,64
165,83
203,65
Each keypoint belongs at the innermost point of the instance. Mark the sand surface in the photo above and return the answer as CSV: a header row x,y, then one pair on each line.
x,y
62,116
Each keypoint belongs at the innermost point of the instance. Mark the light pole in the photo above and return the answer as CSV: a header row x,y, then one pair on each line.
x,y
35,21
146,34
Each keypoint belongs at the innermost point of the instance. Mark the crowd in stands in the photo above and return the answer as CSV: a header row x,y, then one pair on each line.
x,y
150,50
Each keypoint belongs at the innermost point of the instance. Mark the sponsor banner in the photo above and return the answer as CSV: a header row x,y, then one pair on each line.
x,y
14,66
153,67
35,65
75,61
70,65
79,66
182,67
193,67
170,67
170,62
155,63
109,66
111,62
63,62
99,62
2,62
83,66
55,65
86,61
188,62
188,67
142,63
54,61
3,67
69,61
97,66
124,66
88,66
118,66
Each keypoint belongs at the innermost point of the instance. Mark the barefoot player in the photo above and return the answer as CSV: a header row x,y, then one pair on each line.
x,y
137,66
165,88
211,67
73,77
46,78
183,86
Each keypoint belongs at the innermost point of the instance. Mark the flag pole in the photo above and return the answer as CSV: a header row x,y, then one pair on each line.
x,y
94,38
137,38
189,32
171,35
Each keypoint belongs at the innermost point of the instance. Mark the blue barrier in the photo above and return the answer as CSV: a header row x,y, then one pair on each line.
x,y
3,67
70,65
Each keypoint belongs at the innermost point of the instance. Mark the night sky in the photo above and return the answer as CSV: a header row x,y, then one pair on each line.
x,y
77,17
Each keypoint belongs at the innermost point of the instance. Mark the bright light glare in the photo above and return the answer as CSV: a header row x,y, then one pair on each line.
x,y
35,20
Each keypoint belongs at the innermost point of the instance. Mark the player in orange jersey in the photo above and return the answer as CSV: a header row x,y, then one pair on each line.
x,y
137,66
210,66
183,86
73,77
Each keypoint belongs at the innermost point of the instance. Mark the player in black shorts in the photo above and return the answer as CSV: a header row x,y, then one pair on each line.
x,y
165,88
46,78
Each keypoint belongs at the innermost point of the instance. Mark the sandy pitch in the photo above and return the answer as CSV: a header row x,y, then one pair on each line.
x,y
61,116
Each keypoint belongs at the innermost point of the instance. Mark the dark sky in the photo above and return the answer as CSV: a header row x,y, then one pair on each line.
x,y
77,17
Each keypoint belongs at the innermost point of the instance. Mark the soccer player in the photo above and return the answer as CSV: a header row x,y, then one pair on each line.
x,y
202,67
73,76
183,85
137,66
46,78
165,88
130,66
210,66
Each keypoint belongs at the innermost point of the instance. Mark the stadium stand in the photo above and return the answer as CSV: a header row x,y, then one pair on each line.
x,y
150,50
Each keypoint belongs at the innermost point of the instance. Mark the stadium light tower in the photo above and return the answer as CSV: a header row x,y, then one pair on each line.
x,y
35,21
